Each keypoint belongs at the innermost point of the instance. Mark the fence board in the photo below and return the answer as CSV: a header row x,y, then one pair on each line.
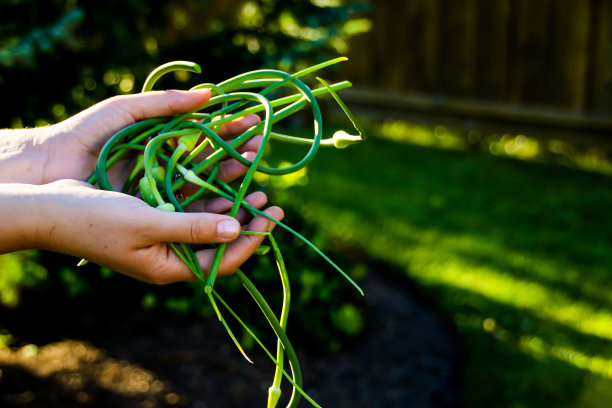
x,y
391,52
528,66
600,81
568,60
491,66
549,54
456,46
420,44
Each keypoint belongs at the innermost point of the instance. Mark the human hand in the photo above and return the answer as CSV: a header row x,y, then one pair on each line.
x,y
125,234
69,149
117,236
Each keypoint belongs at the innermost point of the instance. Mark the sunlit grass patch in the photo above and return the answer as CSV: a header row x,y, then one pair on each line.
x,y
516,252
515,145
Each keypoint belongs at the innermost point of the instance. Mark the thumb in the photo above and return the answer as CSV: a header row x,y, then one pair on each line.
x,y
159,103
192,228
99,122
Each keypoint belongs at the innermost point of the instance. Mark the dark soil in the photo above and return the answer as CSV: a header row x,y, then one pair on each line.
x,y
121,356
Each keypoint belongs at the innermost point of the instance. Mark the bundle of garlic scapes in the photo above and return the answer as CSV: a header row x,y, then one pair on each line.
x,y
169,152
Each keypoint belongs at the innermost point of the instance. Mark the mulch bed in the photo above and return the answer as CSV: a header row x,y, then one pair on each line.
x,y
76,353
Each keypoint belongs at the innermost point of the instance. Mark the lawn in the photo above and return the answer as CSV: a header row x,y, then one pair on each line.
x,y
515,251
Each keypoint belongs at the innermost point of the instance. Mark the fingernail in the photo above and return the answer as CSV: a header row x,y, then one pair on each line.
x,y
228,229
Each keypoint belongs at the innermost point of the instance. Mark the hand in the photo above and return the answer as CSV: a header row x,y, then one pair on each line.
x,y
109,228
122,232
68,150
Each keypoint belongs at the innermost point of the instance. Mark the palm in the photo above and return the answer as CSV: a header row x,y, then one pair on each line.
x,y
76,143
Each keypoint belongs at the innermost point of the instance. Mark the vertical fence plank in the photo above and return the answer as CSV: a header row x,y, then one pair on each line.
x,y
359,70
430,44
600,83
471,14
363,53
395,48
456,46
380,44
530,32
491,65
551,53
420,38
568,58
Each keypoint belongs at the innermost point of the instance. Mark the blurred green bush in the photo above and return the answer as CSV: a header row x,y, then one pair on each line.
x,y
59,57
19,270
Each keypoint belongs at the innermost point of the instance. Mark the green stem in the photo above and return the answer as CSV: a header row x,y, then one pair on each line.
x,y
193,178
231,99
166,68
149,158
101,165
240,81
189,258
275,390
170,173
245,183
280,334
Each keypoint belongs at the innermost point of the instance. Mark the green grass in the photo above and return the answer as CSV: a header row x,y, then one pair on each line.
x,y
517,253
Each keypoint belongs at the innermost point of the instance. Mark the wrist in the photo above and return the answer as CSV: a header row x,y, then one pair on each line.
x,y
20,217
22,157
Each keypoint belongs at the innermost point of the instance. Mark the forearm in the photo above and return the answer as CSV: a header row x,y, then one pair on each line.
x,y
20,216
22,157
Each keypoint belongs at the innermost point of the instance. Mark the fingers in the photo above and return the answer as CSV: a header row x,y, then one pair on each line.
x,y
230,170
64,183
159,103
238,126
233,129
95,125
190,228
201,227
221,205
238,251
251,145
164,266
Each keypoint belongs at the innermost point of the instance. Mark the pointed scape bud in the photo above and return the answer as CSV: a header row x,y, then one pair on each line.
x,y
189,140
342,139
147,192
191,177
166,207
139,163
158,173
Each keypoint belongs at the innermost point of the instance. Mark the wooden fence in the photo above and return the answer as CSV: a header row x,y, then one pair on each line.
x,y
553,55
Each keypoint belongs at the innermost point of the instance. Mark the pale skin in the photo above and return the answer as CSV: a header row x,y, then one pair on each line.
x,y
45,204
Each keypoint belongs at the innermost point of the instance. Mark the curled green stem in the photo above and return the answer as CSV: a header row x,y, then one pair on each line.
x,y
166,68
153,139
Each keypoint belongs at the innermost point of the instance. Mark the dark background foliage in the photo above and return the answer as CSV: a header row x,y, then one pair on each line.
x,y
59,57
